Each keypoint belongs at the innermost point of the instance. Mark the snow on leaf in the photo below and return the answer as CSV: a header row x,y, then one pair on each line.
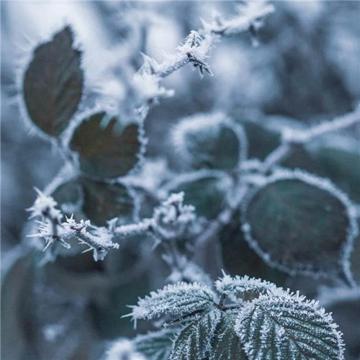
x,y
194,340
288,327
175,301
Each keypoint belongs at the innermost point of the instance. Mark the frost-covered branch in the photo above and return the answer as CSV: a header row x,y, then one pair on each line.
x,y
55,228
196,47
172,219
293,137
303,136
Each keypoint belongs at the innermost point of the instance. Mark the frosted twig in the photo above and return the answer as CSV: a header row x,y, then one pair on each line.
x,y
339,123
196,47
293,137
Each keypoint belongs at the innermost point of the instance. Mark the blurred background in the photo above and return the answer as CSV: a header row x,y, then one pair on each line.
x,y
306,67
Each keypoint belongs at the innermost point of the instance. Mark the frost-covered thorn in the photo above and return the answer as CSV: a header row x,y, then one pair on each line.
x,y
45,206
196,48
98,239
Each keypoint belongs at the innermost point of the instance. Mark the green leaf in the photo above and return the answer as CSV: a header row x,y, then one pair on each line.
x,y
206,190
155,345
210,141
194,340
103,202
53,83
300,224
226,344
105,148
288,327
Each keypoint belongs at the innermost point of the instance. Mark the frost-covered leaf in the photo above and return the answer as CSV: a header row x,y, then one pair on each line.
x,y
155,345
342,166
226,344
174,301
194,340
204,190
288,327
53,83
103,201
300,223
105,148
240,259
244,287
210,141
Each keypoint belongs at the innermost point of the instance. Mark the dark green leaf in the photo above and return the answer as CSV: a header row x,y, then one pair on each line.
x,y
155,345
53,83
194,340
215,146
207,192
300,223
226,344
240,259
103,202
106,150
261,140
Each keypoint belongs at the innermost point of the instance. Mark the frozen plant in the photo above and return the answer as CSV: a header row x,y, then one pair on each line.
x,y
241,318
145,223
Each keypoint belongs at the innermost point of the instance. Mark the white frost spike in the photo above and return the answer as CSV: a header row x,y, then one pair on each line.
x,y
289,327
45,206
196,47
174,301
123,349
